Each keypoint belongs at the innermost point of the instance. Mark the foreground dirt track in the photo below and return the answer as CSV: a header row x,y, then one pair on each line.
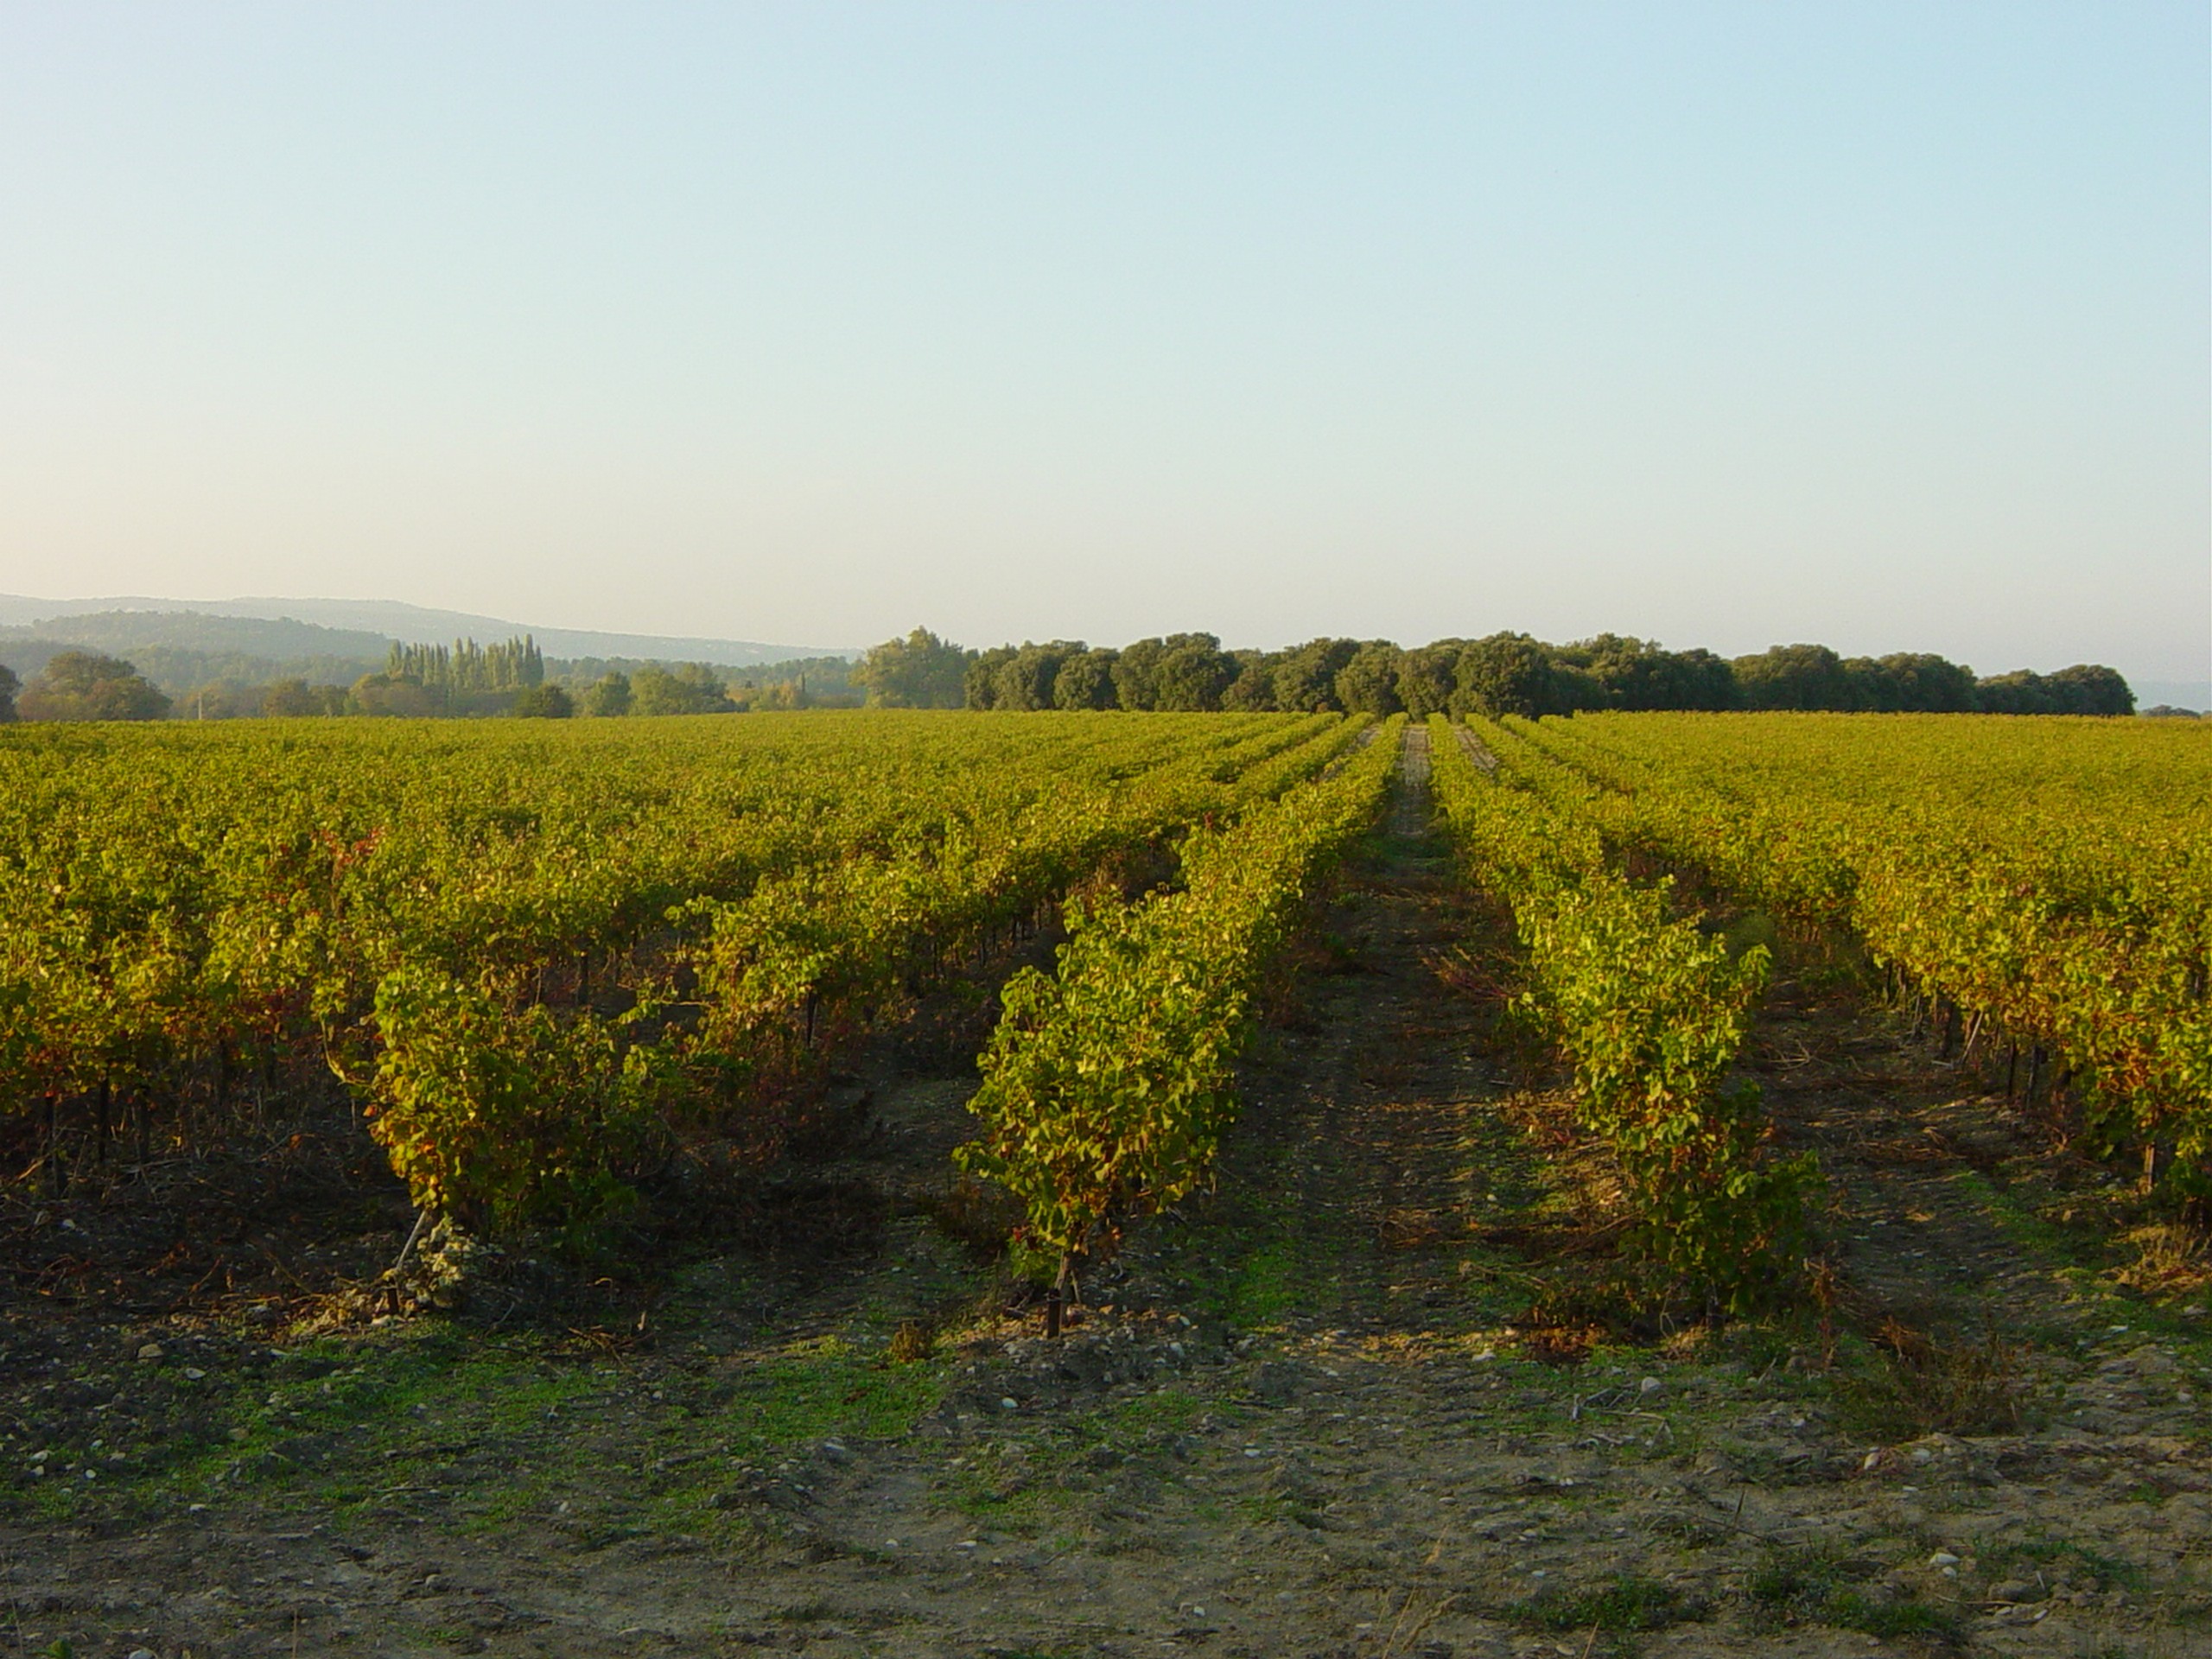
x,y
1300,1418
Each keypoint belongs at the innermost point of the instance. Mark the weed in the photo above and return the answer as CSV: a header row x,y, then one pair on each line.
x,y
977,1216
910,1344
1411,1229
1922,1384
2171,1260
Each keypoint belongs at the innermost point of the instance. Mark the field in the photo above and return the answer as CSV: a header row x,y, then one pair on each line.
x,y
1116,1184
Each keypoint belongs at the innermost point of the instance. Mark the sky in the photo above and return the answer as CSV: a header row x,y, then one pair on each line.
x,y
1888,326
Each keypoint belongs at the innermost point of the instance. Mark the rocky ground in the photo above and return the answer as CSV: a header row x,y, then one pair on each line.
x,y
1342,1406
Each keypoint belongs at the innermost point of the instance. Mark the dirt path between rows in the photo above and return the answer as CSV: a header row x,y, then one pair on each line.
x,y
1293,1418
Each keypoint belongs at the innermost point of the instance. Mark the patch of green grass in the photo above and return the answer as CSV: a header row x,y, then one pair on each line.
x,y
1812,1587
1853,1610
1265,1287
1274,1267
1171,1408
1028,1493
488,1430
2074,1247
1629,1603
830,1393
2108,1571
1269,1509
329,1418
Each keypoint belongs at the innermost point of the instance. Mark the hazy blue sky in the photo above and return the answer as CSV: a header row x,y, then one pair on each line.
x,y
1881,325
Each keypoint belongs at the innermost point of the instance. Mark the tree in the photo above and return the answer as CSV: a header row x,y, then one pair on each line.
x,y
1874,689
2020,692
230,699
1626,672
1427,677
2084,688
1930,683
467,666
1306,676
2091,689
1368,682
1086,680
1253,690
8,686
291,699
1190,673
395,694
1136,672
542,702
1024,682
85,685
979,678
609,695
1698,679
920,671
1506,674
1794,676
692,689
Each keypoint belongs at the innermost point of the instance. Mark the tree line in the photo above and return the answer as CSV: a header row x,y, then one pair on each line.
x,y
432,681
1500,674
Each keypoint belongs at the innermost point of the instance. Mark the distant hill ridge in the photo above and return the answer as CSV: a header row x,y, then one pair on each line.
x,y
349,629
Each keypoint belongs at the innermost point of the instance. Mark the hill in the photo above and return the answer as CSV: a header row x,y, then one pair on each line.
x,y
281,630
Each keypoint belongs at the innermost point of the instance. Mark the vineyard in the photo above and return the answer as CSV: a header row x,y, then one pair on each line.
x,y
537,965
1043,1135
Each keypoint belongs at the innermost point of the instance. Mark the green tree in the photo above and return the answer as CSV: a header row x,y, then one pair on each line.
x,y
2084,688
1930,683
2020,692
920,671
609,695
1506,674
542,702
1253,690
1368,682
1794,676
692,689
466,666
228,699
979,679
1184,672
1306,676
2092,688
1626,672
1086,680
1135,671
395,694
85,685
8,686
291,699
1429,677
1024,682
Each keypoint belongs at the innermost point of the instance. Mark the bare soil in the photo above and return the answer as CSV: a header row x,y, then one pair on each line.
x,y
1318,1412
